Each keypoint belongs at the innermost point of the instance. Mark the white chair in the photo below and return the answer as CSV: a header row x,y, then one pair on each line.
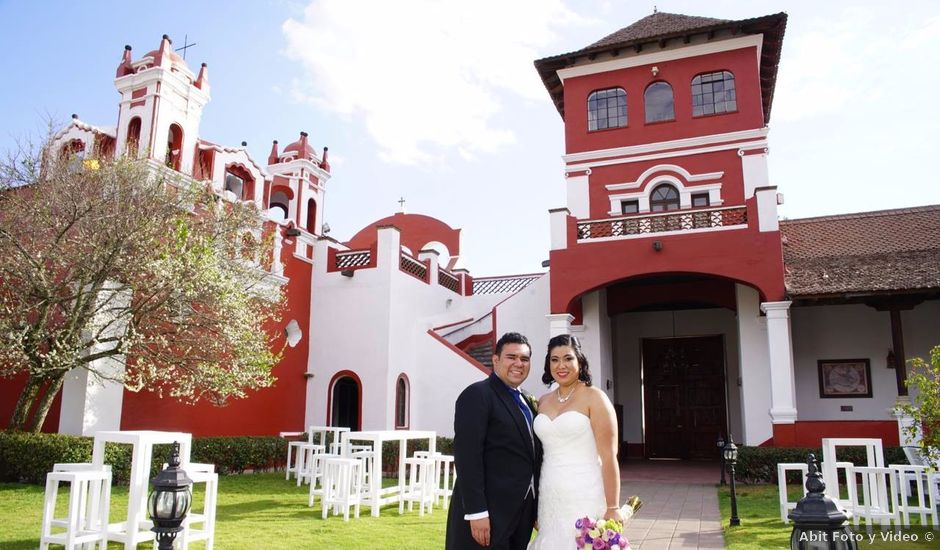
x,y
785,503
419,485
342,486
200,525
914,484
317,482
879,498
89,499
305,454
444,476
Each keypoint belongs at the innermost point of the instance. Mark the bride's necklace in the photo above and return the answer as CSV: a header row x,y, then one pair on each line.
x,y
567,397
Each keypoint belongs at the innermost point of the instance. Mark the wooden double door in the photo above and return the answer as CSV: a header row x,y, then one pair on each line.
x,y
684,396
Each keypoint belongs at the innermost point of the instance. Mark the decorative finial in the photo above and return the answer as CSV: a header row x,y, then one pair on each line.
x,y
74,116
401,205
167,38
244,144
655,10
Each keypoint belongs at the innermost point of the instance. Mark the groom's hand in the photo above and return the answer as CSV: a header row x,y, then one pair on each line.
x,y
480,529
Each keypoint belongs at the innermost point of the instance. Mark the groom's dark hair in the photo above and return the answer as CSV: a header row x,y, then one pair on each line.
x,y
510,338
584,370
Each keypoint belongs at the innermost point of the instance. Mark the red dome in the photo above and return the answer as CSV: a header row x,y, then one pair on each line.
x,y
302,147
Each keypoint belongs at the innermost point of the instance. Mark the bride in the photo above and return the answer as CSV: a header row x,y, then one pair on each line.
x,y
577,426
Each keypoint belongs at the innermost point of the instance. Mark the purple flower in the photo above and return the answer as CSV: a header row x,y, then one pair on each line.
x,y
580,542
579,524
599,544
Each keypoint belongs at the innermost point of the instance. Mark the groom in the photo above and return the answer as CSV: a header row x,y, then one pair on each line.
x,y
496,456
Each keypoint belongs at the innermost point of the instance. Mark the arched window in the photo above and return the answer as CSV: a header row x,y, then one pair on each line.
x,y
713,93
238,180
658,102
280,200
133,137
311,215
665,197
174,146
402,402
607,109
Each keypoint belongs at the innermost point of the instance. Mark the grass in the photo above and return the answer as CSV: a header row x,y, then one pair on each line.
x,y
761,527
254,511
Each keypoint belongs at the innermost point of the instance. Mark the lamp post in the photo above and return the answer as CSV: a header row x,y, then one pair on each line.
x,y
818,524
730,456
170,500
721,458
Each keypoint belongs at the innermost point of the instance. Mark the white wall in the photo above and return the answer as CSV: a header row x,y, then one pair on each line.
x,y
628,329
441,375
855,332
753,390
525,313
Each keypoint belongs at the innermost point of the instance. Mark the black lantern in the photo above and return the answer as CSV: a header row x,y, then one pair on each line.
x,y
721,458
818,524
170,500
729,454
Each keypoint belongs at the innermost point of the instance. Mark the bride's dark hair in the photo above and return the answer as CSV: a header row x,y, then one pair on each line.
x,y
584,370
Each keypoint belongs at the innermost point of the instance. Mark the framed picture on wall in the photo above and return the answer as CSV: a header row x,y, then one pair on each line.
x,y
844,378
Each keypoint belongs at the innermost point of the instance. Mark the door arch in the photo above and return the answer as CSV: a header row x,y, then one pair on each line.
x,y
344,401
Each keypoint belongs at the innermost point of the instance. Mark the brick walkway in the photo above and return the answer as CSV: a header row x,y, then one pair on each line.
x,y
680,505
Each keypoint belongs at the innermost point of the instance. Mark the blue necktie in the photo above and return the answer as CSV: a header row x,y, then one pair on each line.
x,y
526,411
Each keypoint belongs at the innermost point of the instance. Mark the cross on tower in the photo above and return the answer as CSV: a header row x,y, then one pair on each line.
x,y
185,45
401,204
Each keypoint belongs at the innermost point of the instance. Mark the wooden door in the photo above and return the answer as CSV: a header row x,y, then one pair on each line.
x,y
684,392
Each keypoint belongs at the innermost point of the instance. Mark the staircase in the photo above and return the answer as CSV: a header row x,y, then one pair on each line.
x,y
482,352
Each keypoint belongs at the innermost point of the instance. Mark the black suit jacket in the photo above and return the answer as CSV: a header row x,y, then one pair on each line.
x,y
496,460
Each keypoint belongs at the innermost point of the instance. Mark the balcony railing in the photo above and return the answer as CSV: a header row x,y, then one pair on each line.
x,y
448,280
413,267
695,220
351,259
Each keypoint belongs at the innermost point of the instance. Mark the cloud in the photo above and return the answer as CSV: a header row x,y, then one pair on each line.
x,y
424,77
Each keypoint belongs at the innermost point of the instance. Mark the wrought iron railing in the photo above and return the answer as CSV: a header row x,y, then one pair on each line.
x,y
414,267
503,285
352,258
448,280
627,226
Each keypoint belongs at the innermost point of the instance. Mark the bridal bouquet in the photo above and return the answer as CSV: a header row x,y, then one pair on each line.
x,y
604,534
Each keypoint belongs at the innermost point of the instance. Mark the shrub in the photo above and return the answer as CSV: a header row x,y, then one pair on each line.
x,y
27,457
759,464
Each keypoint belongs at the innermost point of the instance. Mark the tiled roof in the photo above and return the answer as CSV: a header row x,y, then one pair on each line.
x,y
870,252
643,35
656,25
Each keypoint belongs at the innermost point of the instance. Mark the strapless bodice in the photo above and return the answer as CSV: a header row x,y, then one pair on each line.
x,y
566,439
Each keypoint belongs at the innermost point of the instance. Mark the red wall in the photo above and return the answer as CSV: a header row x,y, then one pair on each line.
x,y
263,412
10,390
809,433
417,230
678,73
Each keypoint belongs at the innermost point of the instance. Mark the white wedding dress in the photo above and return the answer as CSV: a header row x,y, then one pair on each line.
x,y
570,486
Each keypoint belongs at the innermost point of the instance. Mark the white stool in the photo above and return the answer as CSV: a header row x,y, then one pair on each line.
x,y
879,499
369,475
318,466
342,486
443,480
785,503
925,505
419,480
205,518
293,448
305,453
87,520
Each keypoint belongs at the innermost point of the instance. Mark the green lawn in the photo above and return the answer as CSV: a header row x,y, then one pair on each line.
x,y
761,527
254,511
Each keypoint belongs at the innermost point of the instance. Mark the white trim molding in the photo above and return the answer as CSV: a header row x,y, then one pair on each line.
x,y
711,139
688,176
651,178
751,41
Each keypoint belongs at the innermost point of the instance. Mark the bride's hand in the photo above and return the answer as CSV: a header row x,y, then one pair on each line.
x,y
614,514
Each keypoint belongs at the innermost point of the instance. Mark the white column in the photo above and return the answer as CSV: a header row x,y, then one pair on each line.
x,y
780,349
93,395
559,323
432,255
754,383
595,340
558,221
579,197
767,209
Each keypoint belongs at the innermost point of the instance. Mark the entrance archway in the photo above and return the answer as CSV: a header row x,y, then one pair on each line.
x,y
345,408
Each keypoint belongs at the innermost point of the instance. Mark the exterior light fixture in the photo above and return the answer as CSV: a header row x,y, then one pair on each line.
x,y
721,457
817,521
657,246
170,500
655,71
730,456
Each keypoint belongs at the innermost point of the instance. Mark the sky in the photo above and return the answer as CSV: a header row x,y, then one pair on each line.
x,y
438,102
